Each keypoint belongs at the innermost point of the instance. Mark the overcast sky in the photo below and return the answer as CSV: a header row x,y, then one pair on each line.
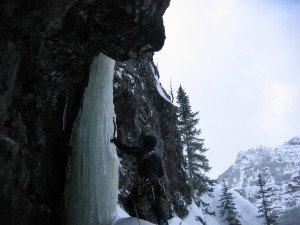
x,y
239,62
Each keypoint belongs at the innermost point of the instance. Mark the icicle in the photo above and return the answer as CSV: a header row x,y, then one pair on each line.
x,y
92,185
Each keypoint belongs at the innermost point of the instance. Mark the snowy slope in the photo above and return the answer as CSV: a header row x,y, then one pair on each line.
x,y
279,166
245,208
131,221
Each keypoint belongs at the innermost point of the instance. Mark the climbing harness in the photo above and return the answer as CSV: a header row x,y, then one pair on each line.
x,y
152,191
162,188
150,186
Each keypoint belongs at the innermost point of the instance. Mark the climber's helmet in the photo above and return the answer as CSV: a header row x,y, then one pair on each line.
x,y
149,141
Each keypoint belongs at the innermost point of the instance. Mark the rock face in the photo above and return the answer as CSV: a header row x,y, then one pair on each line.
x,y
46,48
280,167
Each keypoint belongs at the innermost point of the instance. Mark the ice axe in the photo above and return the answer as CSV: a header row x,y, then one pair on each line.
x,y
115,127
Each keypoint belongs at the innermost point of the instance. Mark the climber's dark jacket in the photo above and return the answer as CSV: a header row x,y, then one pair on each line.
x,y
148,166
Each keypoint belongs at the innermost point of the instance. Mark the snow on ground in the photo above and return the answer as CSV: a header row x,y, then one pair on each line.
x,y
122,218
247,210
244,207
131,221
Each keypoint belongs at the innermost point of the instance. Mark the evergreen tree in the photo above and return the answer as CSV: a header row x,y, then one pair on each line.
x,y
228,209
264,194
197,163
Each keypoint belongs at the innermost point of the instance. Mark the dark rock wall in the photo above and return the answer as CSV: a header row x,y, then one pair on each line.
x,y
141,110
46,48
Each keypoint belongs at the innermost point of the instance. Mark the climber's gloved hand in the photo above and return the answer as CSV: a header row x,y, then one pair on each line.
x,y
113,140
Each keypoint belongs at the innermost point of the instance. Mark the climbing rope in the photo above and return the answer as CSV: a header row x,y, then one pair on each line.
x,y
135,209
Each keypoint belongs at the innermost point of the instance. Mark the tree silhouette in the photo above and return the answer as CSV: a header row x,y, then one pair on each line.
x,y
197,163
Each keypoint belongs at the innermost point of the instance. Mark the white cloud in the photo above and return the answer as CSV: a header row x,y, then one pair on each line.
x,y
278,102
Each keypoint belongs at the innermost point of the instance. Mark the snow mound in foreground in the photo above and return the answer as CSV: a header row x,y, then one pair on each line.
x,y
131,221
124,219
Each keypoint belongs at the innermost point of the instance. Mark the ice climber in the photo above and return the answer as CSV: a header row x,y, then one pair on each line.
x,y
150,170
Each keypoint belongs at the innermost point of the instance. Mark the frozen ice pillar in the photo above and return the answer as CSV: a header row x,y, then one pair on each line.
x,y
92,178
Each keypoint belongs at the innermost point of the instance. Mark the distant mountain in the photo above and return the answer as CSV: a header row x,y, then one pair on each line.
x,y
279,166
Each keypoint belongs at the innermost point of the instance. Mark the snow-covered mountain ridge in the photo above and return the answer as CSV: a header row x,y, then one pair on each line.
x,y
279,166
